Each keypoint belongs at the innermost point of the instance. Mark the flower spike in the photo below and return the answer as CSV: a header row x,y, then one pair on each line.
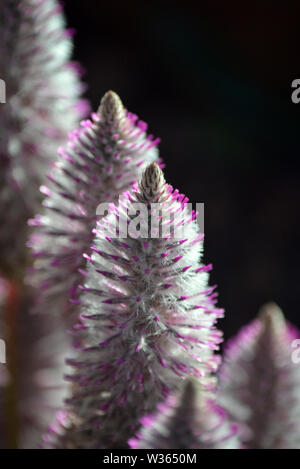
x,y
42,105
101,160
260,382
186,420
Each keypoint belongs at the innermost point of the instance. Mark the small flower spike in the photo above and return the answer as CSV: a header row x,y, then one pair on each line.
x,y
187,420
147,317
260,382
42,91
101,160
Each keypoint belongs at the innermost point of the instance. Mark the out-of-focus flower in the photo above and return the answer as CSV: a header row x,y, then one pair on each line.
x,y
4,377
101,160
42,106
260,383
187,420
148,320
31,380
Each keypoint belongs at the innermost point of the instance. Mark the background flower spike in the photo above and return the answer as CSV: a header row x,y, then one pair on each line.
x,y
147,321
187,420
259,382
102,159
42,105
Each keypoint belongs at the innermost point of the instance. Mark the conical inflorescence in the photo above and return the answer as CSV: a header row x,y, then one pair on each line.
x,y
147,316
102,159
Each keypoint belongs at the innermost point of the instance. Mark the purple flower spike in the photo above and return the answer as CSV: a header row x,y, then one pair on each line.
x,y
87,174
141,341
260,382
187,420
41,106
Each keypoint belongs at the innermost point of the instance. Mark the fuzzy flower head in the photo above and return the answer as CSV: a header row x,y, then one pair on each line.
x,y
260,382
148,317
42,106
41,84
102,159
186,420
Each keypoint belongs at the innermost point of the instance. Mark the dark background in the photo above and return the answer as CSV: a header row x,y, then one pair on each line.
x,y
214,82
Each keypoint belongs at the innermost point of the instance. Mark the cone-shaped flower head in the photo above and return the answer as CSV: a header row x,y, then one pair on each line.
x,y
186,420
42,105
101,160
260,382
148,315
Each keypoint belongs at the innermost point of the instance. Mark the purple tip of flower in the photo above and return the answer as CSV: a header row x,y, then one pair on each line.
x,y
75,301
164,254
176,259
